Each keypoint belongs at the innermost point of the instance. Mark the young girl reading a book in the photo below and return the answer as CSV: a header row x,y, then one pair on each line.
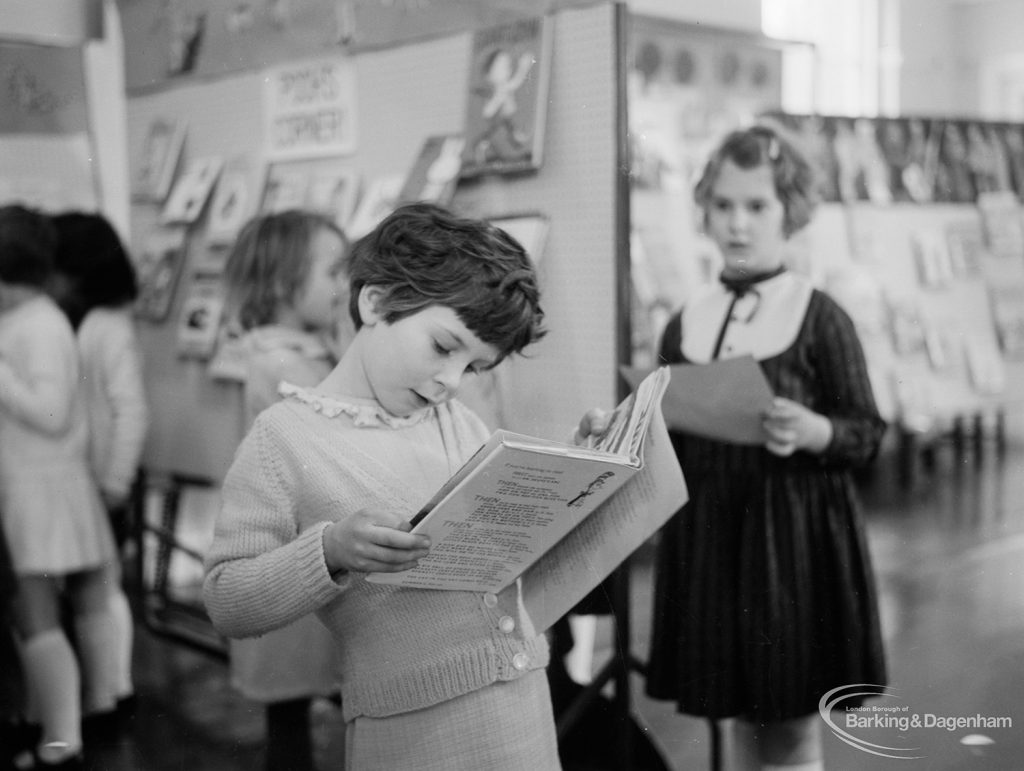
x,y
764,598
321,490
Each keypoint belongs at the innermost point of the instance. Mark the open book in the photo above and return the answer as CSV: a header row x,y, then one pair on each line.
x,y
518,508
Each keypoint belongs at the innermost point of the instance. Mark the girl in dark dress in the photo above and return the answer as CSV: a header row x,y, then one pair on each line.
x,y
764,596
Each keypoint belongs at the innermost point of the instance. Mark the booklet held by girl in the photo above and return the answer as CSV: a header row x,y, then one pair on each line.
x,y
557,516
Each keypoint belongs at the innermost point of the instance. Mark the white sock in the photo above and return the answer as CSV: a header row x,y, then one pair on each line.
x,y
579,662
51,673
813,765
98,649
121,615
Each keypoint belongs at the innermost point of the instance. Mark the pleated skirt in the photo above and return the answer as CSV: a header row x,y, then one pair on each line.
x,y
54,520
764,593
507,726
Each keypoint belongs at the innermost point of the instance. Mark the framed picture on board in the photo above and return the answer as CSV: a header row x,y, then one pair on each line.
x,y
436,171
192,190
332,192
158,161
230,361
321,185
232,202
200,319
1007,301
284,188
378,201
530,230
159,266
506,107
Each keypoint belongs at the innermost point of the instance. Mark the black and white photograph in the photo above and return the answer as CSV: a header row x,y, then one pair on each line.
x,y
511,385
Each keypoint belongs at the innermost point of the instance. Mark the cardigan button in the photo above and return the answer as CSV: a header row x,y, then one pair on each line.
x,y
490,599
506,624
520,661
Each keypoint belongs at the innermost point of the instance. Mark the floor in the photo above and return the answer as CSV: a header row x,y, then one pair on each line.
x,y
949,556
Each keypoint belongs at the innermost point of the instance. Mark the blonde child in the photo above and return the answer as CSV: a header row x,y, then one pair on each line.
x,y
322,488
54,520
284,290
95,285
764,595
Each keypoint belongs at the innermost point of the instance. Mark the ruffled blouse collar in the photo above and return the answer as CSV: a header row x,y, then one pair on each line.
x,y
365,413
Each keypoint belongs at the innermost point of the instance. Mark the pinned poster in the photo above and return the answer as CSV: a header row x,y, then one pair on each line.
x,y
310,109
507,99
158,161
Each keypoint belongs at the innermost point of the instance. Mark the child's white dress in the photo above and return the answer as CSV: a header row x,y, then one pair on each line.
x,y
298,660
52,513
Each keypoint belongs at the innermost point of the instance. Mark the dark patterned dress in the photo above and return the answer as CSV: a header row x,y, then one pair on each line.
x,y
764,595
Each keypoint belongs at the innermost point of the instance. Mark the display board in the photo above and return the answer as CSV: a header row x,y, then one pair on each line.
x,y
45,148
687,85
919,286
933,270
402,96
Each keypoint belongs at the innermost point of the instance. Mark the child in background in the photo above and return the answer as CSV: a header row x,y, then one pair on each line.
x,y
284,289
95,285
764,594
53,517
322,488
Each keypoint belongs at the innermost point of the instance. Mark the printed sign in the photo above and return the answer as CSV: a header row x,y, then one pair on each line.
x,y
309,109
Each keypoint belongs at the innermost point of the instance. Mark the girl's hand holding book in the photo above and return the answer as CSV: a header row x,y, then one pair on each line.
x,y
593,425
372,541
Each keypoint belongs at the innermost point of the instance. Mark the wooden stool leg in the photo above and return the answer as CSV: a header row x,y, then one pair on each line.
x,y
958,438
907,454
979,437
1000,429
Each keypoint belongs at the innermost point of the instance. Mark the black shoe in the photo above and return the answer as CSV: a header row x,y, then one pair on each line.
x,y
17,742
74,763
127,706
101,728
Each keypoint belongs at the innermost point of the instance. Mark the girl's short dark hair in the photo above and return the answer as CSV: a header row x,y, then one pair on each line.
x,y
767,144
94,268
27,243
269,264
422,255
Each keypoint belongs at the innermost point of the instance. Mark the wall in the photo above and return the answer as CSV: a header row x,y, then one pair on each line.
x,y
52,22
991,34
962,58
933,74
405,94
735,14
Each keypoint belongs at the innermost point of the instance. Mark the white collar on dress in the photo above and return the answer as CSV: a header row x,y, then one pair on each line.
x,y
765,322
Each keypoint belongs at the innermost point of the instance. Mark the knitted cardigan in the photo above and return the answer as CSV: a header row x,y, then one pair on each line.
x,y
112,380
308,461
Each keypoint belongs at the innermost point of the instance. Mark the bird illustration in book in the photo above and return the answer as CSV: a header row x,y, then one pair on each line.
x,y
591,488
